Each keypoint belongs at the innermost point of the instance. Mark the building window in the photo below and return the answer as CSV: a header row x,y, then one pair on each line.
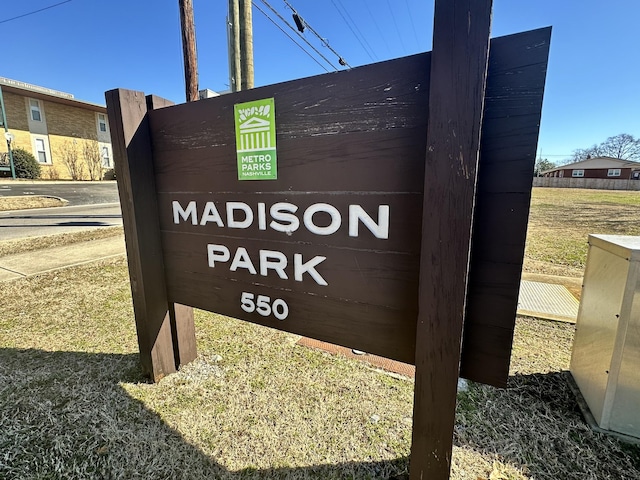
x,y
613,172
41,151
34,106
102,122
106,159
577,173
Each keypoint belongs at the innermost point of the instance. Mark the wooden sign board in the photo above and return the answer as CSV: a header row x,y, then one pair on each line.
x,y
350,152
330,246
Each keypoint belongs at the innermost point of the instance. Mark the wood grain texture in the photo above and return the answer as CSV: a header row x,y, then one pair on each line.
x,y
136,185
513,107
189,55
183,329
456,100
371,328
361,139
361,130
364,276
404,231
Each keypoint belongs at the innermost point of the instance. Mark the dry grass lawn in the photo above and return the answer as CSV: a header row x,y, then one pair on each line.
x,y
561,220
254,405
29,201
22,245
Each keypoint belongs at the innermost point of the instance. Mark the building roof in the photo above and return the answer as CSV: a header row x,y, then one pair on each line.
x,y
43,93
597,163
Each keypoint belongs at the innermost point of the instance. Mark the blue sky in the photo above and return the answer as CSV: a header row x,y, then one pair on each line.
x,y
86,47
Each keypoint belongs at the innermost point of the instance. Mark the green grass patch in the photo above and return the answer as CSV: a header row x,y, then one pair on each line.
x,y
561,220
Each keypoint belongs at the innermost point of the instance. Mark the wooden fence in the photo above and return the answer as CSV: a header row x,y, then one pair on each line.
x,y
593,183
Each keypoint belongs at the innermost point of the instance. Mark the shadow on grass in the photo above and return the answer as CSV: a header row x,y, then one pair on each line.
x,y
536,425
66,415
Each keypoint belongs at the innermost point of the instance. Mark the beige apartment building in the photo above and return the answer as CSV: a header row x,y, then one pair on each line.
x,y
69,138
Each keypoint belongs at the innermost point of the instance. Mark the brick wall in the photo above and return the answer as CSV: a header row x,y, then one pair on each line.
x,y
16,111
69,121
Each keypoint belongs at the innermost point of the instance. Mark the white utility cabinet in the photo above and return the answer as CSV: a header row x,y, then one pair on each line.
x,y
605,360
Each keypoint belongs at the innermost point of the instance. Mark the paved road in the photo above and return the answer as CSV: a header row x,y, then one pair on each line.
x,y
77,193
50,221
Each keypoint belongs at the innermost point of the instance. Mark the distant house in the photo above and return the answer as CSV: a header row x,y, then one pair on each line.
x,y
599,167
53,126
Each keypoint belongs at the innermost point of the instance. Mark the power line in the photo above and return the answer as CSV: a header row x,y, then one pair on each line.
x,y
324,41
352,30
290,37
35,11
395,24
380,34
296,31
413,26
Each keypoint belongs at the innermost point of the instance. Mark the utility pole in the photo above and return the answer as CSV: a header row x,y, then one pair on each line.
x,y
246,45
233,32
189,49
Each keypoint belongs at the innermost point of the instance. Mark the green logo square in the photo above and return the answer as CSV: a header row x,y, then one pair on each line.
x,y
255,124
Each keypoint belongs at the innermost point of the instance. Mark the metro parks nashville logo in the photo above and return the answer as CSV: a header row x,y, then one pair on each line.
x,y
255,124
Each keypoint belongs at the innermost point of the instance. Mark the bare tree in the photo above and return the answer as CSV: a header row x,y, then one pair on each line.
x,y
580,154
50,173
623,146
71,159
92,158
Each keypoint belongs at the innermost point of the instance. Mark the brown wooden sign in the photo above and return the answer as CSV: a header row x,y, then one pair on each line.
x,y
334,247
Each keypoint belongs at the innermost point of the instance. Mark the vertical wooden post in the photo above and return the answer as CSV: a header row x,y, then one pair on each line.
x,y
188,29
183,330
131,143
234,46
246,44
456,100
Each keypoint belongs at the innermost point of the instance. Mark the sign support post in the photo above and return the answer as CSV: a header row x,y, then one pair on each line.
x,y
166,335
456,99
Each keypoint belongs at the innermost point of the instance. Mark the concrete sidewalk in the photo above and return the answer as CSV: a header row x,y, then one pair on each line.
x,y
537,299
546,300
40,261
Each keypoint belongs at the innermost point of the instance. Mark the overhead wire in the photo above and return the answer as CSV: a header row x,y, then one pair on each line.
x,y
298,33
413,25
324,41
35,11
380,34
395,24
360,38
290,37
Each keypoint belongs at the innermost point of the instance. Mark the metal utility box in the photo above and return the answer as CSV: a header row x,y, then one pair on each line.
x,y
605,361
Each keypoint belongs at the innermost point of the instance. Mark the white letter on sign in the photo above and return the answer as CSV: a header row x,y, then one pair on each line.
x,y
232,222
242,260
217,253
380,229
271,259
189,212
300,268
210,214
289,223
333,212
